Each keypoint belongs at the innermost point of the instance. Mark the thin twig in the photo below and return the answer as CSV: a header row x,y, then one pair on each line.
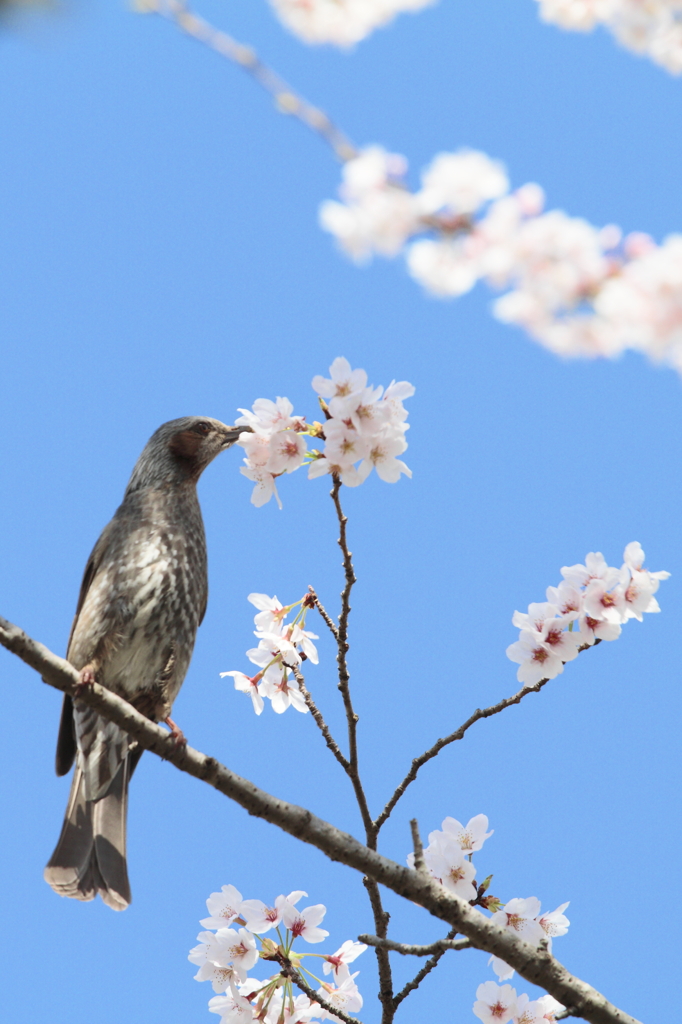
x,y
319,720
325,614
537,966
418,847
381,917
420,975
441,945
287,101
342,662
290,972
479,714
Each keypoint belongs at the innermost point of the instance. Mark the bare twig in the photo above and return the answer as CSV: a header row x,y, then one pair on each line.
x,y
319,720
418,847
325,614
479,714
286,99
342,662
381,917
290,972
441,945
426,969
537,966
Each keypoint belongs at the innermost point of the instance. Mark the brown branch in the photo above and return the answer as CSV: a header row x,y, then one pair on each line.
x,y
537,966
287,101
318,719
441,945
290,972
325,614
426,969
479,714
381,917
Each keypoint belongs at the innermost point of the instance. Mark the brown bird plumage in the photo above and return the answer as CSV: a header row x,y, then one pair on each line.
x,y
142,599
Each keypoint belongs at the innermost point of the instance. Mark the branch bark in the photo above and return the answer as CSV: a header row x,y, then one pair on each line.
x,y
536,966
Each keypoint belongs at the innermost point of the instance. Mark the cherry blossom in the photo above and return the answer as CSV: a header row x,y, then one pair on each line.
x,y
446,855
554,923
536,659
470,837
273,445
260,918
495,1004
342,380
652,28
344,996
599,596
225,956
576,288
345,954
227,950
341,22
223,907
365,425
304,923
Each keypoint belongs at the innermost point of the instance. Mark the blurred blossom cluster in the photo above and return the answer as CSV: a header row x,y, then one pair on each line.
x,y
449,859
653,27
591,603
577,289
281,647
341,22
226,955
364,429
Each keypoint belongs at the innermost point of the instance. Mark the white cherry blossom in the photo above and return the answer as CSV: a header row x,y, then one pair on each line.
x,y
345,954
223,907
470,837
495,1004
304,923
536,660
340,22
461,182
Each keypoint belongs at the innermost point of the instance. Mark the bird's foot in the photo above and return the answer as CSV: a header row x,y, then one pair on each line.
x,y
176,733
86,680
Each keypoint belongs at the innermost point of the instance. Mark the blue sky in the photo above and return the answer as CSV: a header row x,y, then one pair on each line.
x,y
160,256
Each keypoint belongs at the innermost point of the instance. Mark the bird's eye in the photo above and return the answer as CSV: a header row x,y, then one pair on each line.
x,y
203,428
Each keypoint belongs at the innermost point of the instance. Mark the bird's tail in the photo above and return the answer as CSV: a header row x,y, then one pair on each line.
x,y
90,856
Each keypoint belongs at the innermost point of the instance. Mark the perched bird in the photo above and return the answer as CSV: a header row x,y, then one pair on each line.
x,y
142,598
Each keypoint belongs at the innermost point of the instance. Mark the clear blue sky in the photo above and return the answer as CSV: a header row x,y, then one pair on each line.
x,y
160,256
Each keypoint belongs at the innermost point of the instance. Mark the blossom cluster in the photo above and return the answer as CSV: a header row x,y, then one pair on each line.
x,y
281,647
341,22
449,859
364,429
653,28
577,289
226,954
591,603
499,1004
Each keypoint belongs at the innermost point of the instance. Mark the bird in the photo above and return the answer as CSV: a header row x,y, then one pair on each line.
x,y
142,599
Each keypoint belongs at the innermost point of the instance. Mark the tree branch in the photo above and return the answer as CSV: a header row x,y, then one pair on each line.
x,y
318,719
325,614
426,969
290,972
535,965
479,714
381,917
287,101
441,945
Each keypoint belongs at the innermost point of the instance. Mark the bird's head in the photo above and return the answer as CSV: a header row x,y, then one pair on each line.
x,y
180,450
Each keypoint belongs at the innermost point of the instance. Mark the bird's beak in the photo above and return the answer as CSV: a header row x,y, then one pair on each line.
x,y
231,434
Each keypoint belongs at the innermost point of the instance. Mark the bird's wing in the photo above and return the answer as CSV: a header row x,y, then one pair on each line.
x,y
66,738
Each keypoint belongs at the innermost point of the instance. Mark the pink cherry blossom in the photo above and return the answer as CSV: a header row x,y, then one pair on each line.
x,y
495,1004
